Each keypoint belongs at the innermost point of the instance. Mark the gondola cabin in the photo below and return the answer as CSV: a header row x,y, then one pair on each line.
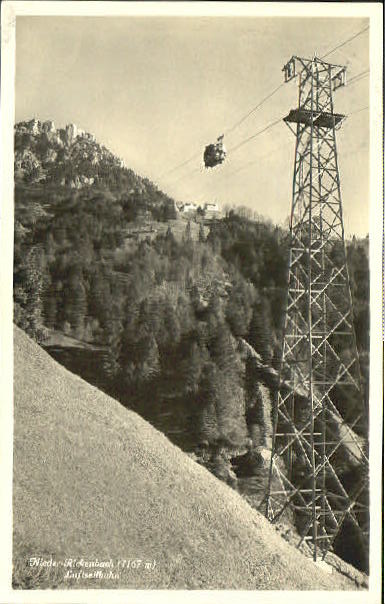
x,y
215,153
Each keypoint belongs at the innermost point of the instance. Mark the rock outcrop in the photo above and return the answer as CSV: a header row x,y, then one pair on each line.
x,y
67,156
352,446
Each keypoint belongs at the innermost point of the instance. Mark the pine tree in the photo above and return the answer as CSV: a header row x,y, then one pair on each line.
x,y
112,340
201,236
230,405
75,302
238,310
50,307
28,296
260,331
192,367
187,233
208,398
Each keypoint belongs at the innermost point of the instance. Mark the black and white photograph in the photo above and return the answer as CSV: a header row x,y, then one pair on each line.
x,y
191,339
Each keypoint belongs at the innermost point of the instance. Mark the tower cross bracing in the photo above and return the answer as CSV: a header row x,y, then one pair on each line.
x,y
318,471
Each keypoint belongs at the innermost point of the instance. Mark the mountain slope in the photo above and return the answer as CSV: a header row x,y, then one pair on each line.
x,y
68,159
68,155
93,479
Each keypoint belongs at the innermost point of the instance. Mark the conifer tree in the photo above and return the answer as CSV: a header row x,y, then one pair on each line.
x,y
187,233
260,331
201,236
28,293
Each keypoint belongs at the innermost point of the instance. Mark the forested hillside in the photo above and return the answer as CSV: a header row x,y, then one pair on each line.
x,y
168,313
168,319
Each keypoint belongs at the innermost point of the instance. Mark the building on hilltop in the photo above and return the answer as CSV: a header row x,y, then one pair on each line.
x,y
188,207
211,210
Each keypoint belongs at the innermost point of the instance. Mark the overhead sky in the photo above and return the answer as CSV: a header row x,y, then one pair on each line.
x,y
155,91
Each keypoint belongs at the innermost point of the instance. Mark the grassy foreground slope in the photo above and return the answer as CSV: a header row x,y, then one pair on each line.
x,y
94,480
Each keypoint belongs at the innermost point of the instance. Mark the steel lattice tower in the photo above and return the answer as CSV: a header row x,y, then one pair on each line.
x,y
318,471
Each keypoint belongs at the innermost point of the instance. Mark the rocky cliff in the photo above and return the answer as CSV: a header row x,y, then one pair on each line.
x,y
68,156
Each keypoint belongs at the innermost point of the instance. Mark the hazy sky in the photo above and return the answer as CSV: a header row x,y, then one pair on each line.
x,y
157,90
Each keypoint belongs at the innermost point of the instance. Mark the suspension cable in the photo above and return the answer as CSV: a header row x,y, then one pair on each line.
x,y
184,163
248,139
233,127
258,159
269,96
345,42
265,129
359,76
254,109
357,111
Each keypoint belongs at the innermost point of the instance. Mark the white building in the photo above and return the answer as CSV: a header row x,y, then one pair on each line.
x,y
211,210
189,207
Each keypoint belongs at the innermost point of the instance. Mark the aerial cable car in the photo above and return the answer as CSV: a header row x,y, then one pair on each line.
x,y
215,153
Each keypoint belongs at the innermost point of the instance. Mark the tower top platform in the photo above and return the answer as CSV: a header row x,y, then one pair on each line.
x,y
321,119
